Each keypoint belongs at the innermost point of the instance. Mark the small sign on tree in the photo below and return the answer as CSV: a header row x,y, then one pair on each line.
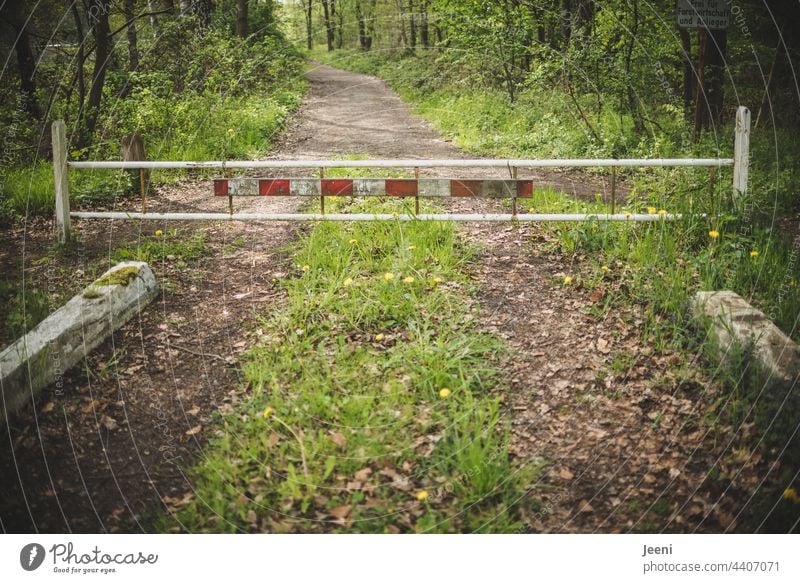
x,y
707,14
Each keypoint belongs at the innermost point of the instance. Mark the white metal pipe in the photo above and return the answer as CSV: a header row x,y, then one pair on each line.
x,y
481,163
530,218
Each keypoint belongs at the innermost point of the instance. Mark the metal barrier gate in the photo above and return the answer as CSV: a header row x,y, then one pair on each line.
x,y
416,188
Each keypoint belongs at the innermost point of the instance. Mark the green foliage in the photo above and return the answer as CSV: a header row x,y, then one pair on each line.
x,y
193,97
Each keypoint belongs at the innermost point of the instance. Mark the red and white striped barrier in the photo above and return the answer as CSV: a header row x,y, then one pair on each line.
x,y
397,187
400,187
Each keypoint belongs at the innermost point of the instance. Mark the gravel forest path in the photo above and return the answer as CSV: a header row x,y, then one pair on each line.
x,y
623,447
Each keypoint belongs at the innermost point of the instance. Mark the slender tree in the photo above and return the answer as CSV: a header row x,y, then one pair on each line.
x,y
16,14
328,8
308,7
97,17
241,18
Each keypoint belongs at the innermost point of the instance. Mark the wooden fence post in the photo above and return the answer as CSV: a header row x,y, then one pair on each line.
x,y
741,154
60,172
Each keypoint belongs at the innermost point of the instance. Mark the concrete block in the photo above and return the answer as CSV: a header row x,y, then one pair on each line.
x,y
66,336
735,321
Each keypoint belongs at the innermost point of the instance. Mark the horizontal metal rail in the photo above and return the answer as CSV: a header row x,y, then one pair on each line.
x,y
527,218
479,163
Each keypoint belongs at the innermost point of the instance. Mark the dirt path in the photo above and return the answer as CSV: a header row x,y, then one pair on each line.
x,y
111,450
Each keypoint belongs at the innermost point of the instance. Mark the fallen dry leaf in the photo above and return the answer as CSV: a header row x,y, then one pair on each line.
x,y
90,407
340,512
195,430
363,474
565,474
178,502
337,438
108,422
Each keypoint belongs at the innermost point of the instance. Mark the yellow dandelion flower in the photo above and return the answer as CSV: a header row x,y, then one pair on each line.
x,y
347,282
267,412
662,212
231,131
790,494
651,210
437,280
159,232
604,268
421,495
408,279
388,276
754,253
378,337
353,241
627,215
444,393
567,280
306,267
713,234
412,247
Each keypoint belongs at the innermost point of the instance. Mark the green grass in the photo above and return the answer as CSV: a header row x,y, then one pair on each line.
x,y
161,246
21,311
345,414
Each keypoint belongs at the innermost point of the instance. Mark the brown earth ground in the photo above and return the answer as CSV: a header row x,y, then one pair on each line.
x,y
619,425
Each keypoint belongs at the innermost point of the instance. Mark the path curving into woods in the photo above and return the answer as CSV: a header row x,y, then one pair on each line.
x,y
622,443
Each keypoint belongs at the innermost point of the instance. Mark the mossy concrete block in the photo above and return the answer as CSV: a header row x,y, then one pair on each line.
x,y
65,337
736,323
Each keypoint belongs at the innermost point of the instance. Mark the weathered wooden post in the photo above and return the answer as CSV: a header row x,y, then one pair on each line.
x,y
61,176
741,154
133,151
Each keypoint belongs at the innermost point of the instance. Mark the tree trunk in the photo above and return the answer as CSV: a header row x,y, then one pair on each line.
x,y
326,14
717,48
423,23
98,21
241,18
566,23
339,23
688,70
412,24
403,37
584,18
633,104
129,11
25,61
151,8
362,26
309,6
81,59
